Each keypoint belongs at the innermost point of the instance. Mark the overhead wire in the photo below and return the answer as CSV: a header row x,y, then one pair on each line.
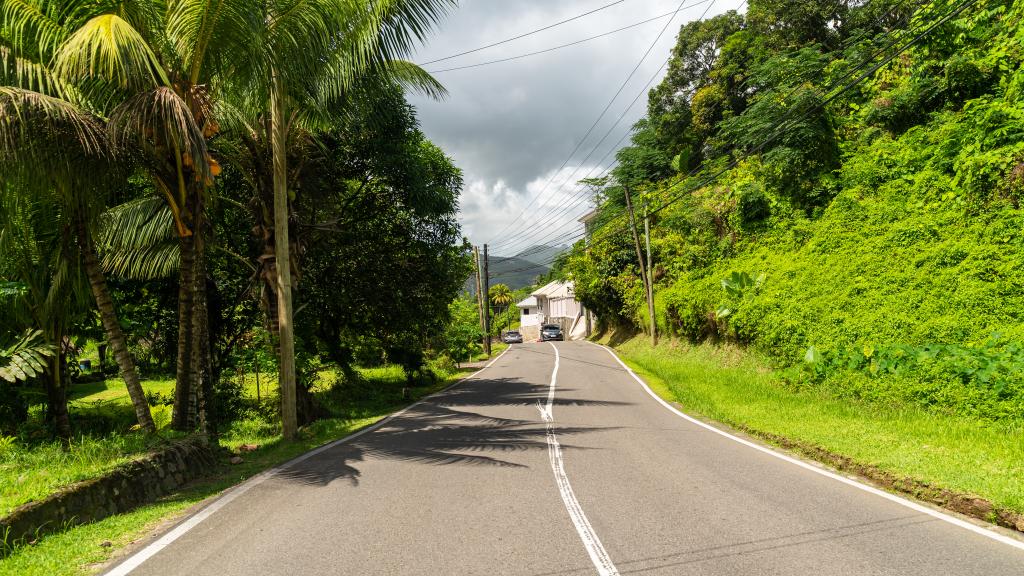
x,y
682,5
553,48
524,35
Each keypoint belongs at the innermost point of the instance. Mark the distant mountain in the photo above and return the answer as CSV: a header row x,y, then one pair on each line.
x,y
541,254
520,270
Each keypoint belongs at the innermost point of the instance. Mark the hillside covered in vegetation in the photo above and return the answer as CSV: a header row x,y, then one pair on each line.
x,y
836,186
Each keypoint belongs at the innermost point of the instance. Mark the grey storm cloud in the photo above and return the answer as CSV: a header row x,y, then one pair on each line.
x,y
511,125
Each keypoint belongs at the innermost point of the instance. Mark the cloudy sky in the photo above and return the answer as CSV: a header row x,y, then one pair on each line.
x,y
510,126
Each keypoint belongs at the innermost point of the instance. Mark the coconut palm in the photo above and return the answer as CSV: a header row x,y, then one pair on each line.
x,y
501,296
150,67
37,250
52,149
303,57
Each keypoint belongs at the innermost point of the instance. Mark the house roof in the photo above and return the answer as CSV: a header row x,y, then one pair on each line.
x,y
528,302
555,290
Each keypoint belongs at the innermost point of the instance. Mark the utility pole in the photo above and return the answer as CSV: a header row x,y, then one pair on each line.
x,y
479,297
487,305
643,268
650,277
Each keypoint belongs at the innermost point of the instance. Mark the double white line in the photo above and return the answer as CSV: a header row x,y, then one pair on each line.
x,y
598,555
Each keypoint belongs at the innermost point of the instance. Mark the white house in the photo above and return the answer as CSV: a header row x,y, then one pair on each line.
x,y
554,303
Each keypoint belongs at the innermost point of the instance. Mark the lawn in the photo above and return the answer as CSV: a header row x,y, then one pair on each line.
x,y
728,385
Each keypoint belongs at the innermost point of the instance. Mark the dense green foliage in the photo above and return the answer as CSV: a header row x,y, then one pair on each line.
x,y
885,219
163,164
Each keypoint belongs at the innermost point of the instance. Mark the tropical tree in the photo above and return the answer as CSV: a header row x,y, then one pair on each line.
x,y
37,252
303,57
501,296
149,67
53,149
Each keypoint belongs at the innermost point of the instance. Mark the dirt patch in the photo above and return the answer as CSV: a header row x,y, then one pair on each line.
x,y
966,504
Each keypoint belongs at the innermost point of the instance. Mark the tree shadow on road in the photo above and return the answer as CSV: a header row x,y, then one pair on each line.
x,y
438,432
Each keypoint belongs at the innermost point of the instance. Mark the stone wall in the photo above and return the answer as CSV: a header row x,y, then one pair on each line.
x,y
122,489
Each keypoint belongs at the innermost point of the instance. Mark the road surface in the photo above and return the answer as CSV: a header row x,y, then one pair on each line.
x,y
555,460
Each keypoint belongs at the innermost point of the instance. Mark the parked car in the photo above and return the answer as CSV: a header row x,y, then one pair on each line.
x,y
551,332
512,337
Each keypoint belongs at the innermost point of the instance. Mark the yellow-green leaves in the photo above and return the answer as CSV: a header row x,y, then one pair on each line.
x,y
108,48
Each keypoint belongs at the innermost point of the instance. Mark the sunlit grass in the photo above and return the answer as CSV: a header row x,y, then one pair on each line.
x,y
730,386
377,393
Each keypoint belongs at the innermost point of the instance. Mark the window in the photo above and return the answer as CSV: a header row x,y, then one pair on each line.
x,y
526,311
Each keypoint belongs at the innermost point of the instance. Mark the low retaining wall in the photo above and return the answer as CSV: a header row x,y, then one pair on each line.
x,y
122,489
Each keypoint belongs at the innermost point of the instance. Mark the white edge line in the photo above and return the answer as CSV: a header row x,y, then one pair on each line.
x,y
136,560
598,555
986,532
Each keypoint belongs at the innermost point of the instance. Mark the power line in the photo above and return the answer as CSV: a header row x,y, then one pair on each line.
x,y
708,179
553,48
603,112
524,35
579,197
783,120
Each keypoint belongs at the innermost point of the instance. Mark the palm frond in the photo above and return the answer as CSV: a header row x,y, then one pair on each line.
x,y
137,224
149,263
24,73
108,47
137,240
160,117
412,77
407,22
26,358
36,128
32,23
203,32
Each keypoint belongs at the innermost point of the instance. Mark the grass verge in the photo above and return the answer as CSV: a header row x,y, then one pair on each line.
x,y
943,452
79,550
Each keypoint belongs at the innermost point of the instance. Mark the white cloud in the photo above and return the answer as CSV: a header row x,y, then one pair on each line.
x,y
509,126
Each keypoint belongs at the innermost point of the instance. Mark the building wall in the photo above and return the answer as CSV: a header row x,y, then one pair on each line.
x,y
533,319
563,308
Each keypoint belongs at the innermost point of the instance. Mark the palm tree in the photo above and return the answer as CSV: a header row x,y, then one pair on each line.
x,y
304,56
53,149
501,296
37,250
150,67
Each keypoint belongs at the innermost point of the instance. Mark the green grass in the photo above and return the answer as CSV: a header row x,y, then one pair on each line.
x,y
34,471
733,387
379,392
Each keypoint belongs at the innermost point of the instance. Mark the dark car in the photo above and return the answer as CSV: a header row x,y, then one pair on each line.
x,y
512,337
551,332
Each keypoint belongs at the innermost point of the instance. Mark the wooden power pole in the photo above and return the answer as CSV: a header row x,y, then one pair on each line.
x,y
479,295
487,305
650,276
644,272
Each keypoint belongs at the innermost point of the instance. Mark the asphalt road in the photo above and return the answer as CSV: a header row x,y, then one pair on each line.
x,y
507,474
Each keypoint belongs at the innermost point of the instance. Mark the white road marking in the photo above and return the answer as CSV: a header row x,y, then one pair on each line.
x,y
136,560
598,555
986,532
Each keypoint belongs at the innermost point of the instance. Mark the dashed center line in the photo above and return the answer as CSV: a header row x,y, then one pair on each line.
x,y
598,555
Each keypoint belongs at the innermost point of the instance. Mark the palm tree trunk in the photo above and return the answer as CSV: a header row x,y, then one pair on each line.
x,y
115,336
56,392
182,418
201,386
282,253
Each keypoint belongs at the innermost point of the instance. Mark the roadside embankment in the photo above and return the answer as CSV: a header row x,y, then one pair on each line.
x,y
969,466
